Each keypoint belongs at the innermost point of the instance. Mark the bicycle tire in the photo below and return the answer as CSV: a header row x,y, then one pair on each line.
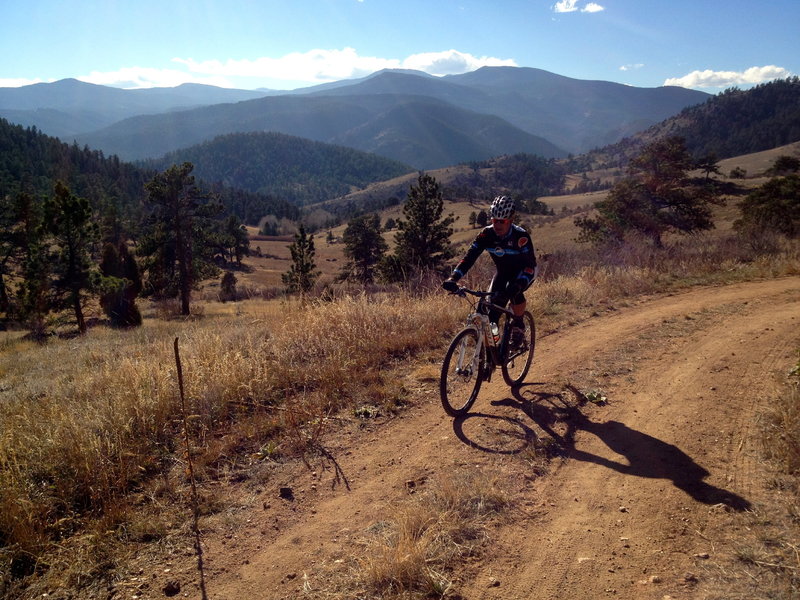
x,y
517,363
461,380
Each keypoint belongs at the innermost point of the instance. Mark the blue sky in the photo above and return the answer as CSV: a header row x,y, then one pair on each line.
x,y
702,44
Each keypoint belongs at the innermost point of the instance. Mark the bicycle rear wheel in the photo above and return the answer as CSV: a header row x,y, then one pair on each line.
x,y
515,367
461,372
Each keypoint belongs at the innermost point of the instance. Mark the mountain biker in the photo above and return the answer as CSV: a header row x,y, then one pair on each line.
x,y
514,257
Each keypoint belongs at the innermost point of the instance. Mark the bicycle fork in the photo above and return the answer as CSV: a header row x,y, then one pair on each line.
x,y
470,365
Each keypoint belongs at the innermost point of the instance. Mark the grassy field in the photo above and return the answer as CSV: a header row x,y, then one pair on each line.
x,y
90,456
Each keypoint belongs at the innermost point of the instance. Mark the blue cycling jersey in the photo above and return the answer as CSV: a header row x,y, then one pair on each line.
x,y
513,254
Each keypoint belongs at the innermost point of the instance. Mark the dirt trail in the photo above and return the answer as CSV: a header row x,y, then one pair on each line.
x,y
644,487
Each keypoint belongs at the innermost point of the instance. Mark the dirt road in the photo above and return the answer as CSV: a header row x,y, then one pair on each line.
x,y
636,503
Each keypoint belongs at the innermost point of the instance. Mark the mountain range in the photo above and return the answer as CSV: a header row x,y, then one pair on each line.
x,y
408,116
69,107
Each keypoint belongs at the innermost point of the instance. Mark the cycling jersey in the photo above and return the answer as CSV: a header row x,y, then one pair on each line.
x,y
513,254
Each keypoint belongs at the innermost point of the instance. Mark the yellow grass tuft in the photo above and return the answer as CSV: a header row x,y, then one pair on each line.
x,y
425,538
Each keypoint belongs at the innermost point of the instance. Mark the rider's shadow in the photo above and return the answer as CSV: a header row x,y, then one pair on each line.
x,y
645,455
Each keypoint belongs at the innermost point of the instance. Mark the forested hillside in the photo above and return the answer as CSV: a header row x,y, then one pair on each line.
x,y
526,177
292,168
732,123
32,162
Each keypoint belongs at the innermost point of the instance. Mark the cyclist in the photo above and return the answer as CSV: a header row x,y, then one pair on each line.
x,y
514,257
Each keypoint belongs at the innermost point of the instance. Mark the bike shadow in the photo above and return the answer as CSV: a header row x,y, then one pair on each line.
x,y
644,455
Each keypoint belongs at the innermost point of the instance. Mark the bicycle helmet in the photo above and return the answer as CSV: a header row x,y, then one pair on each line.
x,y
502,208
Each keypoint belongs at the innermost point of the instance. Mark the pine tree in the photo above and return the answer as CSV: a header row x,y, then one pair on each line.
x,y
32,293
364,246
123,284
69,222
12,237
773,207
423,237
303,273
657,196
227,287
178,246
234,239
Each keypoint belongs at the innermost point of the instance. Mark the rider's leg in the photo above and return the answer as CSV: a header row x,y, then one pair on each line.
x,y
497,288
518,306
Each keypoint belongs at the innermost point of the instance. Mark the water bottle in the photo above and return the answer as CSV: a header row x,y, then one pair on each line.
x,y
495,332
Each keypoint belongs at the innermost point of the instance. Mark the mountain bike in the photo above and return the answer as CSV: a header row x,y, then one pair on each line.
x,y
478,349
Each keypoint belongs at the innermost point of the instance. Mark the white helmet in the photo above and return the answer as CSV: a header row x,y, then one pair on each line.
x,y
502,208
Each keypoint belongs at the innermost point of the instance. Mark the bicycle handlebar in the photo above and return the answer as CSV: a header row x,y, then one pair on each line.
x,y
463,291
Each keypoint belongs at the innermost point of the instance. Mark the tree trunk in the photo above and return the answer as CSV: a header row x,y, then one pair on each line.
x,y
76,305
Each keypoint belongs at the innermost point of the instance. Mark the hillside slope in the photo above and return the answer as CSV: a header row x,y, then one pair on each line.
x,y
638,503
69,107
361,120
732,123
294,169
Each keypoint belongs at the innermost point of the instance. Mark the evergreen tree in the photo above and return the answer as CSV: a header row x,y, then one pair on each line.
x,y
72,230
784,164
303,273
656,197
227,287
738,173
178,245
364,246
482,218
234,241
32,293
123,284
774,207
423,236
709,165
11,243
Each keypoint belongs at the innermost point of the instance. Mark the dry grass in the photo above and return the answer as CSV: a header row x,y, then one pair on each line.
x,y
89,425
415,551
88,421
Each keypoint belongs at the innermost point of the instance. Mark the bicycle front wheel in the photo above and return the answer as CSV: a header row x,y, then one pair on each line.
x,y
515,367
461,372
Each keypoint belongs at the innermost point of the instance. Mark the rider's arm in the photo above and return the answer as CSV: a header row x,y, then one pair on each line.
x,y
527,274
472,254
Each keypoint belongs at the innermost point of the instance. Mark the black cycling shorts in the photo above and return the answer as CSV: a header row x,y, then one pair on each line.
x,y
499,290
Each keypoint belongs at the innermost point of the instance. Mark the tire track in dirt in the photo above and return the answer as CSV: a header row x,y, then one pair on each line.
x,y
639,478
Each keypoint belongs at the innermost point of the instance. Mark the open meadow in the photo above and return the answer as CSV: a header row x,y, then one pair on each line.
x,y
325,467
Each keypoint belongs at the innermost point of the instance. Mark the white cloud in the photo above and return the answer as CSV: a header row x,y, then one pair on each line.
x,y
319,66
452,62
566,6
632,67
314,66
18,82
721,79
292,70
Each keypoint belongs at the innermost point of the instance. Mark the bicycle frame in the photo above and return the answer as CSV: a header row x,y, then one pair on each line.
x,y
476,351
479,319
